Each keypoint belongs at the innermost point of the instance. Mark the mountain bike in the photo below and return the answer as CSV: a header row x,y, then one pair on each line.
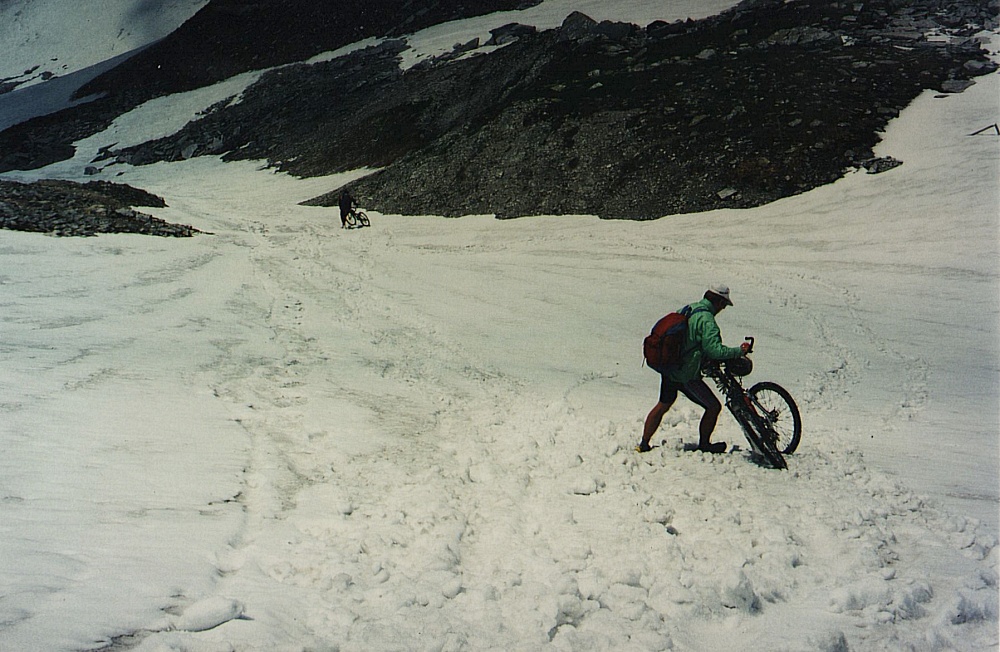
x,y
766,412
357,218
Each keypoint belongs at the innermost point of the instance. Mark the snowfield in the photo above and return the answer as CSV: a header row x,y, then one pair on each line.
x,y
419,436
49,52
40,36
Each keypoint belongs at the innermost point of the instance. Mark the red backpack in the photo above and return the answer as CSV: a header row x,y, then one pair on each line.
x,y
664,346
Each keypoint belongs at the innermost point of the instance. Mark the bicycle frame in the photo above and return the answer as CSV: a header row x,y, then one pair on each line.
x,y
756,428
357,217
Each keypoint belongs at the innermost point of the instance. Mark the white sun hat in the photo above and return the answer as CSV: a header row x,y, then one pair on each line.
x,y
722,291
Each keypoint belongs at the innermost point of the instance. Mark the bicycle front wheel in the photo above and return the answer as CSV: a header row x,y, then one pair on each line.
x,y
775,404
363,219
761,439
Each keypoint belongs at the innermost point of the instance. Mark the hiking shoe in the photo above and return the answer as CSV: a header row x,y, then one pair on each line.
x,y
716,447
643,447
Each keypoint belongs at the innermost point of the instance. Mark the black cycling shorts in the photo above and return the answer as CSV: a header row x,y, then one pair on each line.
x,y
695,390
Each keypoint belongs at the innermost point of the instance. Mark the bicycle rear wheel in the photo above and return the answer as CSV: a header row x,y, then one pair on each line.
x,y
351,218
775,404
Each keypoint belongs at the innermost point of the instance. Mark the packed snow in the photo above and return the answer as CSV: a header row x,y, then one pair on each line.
x,y
419,435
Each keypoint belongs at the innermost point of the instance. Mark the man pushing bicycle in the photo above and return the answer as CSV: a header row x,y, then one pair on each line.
x,y
347,205
700,340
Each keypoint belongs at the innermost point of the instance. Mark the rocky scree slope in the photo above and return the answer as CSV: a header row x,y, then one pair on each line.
x,y
764,101
66,208
225,38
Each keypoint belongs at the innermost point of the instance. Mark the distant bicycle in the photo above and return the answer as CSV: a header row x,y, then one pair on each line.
x,y
766,412
357,218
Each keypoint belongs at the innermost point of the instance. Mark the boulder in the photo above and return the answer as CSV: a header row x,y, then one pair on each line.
x,y
509,33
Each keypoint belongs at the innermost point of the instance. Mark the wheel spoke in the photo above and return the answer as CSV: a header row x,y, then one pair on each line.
x,y
777,407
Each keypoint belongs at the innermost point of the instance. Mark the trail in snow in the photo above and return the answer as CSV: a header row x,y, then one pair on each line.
x,y
437,419
442,443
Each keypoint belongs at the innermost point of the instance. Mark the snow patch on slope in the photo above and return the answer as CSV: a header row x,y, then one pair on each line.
x,y
38,38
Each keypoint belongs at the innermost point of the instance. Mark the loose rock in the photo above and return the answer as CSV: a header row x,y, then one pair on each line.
x,y
67,208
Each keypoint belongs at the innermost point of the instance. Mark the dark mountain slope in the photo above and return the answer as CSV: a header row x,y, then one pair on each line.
x,y
228,37
765,101
225,38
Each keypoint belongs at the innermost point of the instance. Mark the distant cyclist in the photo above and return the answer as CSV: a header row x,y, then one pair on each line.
x,y
347,205
703,341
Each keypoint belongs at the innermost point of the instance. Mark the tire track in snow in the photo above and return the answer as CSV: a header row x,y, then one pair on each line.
x,y
377,513
494,511
536,446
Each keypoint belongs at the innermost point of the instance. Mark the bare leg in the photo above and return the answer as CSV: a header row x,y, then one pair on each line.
x,y
653,420
707,426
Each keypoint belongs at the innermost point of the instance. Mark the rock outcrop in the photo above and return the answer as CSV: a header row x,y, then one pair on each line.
x,y
66,208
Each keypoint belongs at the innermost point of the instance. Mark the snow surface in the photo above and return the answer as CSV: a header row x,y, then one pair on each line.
x,y
286,436
42,37
48,36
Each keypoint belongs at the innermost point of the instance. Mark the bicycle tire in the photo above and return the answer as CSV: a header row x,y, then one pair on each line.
x,y
758,432
767,440
776,405
351,219
363,219
755,430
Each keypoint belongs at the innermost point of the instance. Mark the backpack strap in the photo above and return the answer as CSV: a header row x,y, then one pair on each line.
x,y
688,312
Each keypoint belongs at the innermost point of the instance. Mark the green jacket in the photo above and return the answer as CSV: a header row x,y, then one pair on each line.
x,y
703,341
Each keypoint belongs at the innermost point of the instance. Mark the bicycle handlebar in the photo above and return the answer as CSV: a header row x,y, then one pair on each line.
x,y
712,367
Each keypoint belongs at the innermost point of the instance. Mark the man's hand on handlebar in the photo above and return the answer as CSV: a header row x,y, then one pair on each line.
x,y
745,347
